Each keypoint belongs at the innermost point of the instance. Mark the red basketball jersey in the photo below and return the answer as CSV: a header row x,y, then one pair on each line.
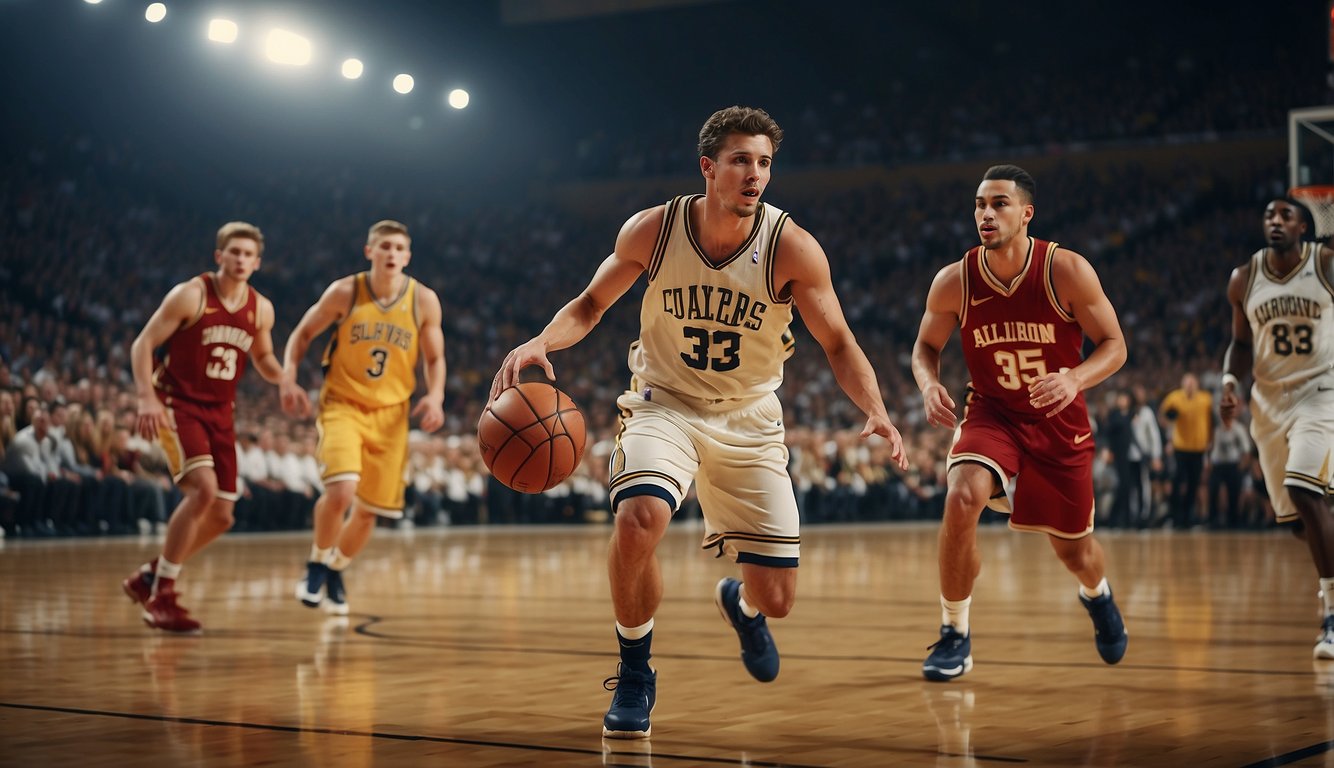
x,y
204,360
1014,335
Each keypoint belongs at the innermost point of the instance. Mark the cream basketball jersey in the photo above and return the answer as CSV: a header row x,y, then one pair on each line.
x,y
1292,319
713,331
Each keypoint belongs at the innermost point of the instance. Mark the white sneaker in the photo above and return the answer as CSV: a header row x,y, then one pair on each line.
x,y
1324,647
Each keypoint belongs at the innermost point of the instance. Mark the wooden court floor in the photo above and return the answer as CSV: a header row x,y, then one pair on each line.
x,y
488,647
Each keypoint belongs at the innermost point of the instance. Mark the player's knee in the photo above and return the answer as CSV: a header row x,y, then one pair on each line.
x,y
340,495
774,599
968,498
639,524
221,516
202,488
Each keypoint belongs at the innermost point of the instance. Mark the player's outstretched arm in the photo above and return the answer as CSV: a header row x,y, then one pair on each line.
x,y
572,322
1078,288
802,266
1238,358
939,319
262,354
332,307
182,306
430,409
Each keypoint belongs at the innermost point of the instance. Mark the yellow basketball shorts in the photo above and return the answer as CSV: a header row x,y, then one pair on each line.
x,y
368,446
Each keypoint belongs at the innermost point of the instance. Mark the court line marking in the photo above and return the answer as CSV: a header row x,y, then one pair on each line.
x,y
397,736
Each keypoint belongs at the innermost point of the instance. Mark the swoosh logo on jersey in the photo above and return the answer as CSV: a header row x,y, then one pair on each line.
x,y
1324,389
1081,438
973,301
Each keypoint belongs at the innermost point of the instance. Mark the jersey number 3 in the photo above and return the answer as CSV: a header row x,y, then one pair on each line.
x,y
379,355
727,344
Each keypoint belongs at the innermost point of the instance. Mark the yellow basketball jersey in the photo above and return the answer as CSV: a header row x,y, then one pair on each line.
x,y
372,358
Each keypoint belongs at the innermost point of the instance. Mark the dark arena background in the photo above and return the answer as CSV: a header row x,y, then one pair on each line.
x,y
513,138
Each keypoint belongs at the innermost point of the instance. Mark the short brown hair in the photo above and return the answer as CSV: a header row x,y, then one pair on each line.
x,y
234,229
748,121
387,227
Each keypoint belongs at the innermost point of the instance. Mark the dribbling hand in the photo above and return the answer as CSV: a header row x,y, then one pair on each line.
x,y
531,352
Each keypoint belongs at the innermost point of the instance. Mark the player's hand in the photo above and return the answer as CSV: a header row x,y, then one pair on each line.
x,y
152,417
1053,392
939,407
881,425
1228,404
430,413
296,402
531,352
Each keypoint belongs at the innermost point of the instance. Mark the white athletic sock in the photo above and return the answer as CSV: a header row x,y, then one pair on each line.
x,y
337,560
955,613
166,569
1326,592
1097,591
318,555
747,610
634,633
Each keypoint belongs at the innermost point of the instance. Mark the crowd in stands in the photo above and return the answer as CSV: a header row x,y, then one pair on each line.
x,y
94,234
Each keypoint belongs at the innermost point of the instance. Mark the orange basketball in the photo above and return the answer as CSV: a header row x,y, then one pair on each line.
x,y
531,436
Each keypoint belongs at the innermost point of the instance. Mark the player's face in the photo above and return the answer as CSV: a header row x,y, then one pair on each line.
x,y
741,172
1284,225
1002,211
239,258
389,252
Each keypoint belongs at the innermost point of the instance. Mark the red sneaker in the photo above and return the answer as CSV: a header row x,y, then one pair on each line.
x,y
139,587
162,612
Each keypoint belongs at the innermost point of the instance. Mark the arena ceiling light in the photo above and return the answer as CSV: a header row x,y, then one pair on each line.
x,y
222,31
155,12
458,98
284,47
352,69
403,83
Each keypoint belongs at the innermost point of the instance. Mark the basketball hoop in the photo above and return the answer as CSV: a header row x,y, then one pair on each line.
x,y
1320,199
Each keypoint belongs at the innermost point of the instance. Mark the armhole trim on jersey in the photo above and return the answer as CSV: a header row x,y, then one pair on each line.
x,y
1320,273
416,299
1257,264
1049,281
664,234
203,302
770,258
963,286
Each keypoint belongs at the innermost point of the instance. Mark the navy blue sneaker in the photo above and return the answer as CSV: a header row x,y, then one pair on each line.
x,y
335,596
951,655
632,699
310,590
758,651
1109,632
1324,647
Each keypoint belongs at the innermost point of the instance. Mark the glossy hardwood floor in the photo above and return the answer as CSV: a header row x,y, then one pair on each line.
x,y
488,647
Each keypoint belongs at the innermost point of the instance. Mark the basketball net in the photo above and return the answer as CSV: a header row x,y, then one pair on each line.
x,y
1320,199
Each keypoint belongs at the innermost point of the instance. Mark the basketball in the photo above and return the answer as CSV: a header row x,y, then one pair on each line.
x,y
531,437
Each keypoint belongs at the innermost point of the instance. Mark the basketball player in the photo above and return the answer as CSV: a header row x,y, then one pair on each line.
x,y
210,324
1283,332
1022,307
383,319
725,272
